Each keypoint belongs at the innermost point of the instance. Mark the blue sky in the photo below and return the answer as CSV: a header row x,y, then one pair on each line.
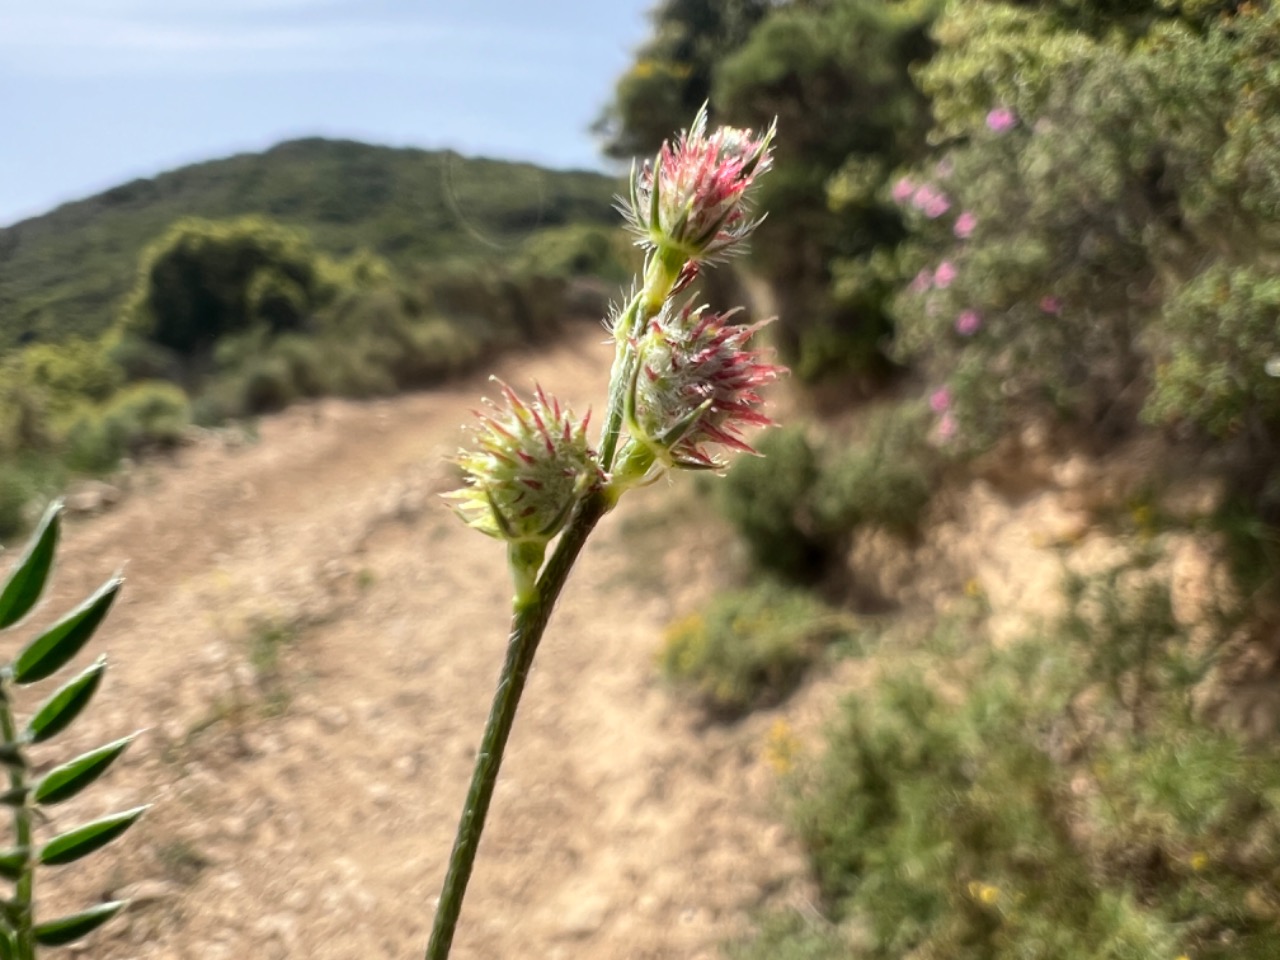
x,y
96,92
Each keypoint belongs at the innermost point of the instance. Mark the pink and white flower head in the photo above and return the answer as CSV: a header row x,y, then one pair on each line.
x,y
1051,305
1001,120
696,386
693,200
903,188
965,225
944,275
948,427
531,466
940,400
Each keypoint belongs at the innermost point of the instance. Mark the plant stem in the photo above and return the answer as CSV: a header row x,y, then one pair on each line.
x,y
528,622
24,888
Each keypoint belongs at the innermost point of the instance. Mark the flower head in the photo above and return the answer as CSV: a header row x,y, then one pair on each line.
x,y
693,199
696,385
903,188
1051,305
965,224
1001,120
945,273
940,400
531,466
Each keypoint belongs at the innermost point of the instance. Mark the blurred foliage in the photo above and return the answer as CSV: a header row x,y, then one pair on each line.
x,y
66,272
204,280
672,74
141,418
836,74
767,500
748,648
1044,812
1115,181
797,507
1221,334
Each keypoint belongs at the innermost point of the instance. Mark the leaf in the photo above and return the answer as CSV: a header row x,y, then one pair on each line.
x,y
7,950
14,862
71,846
65,781
56,714
26,582
47,653
69,929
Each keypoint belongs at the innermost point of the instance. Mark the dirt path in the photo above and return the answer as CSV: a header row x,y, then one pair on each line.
x,y
312,642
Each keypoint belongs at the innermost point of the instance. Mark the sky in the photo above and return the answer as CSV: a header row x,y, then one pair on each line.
x,y
97,92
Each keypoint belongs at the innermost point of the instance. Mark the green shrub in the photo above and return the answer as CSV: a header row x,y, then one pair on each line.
x,y
577,250
788,936
1032,817
767,500
1220,334
15,493
886,480
143,417
747,648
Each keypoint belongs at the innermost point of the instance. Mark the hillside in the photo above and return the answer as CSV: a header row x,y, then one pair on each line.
x,y
63,273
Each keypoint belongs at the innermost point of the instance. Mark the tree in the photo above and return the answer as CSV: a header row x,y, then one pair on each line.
x,y
204,279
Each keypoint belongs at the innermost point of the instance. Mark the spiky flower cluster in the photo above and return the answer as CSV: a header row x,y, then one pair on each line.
x,y
695,385
692,199
532,466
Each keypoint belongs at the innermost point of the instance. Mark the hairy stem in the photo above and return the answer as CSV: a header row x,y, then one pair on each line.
x,y
528,623
24,888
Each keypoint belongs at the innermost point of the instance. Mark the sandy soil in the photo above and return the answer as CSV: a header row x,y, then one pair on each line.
x,y
310,640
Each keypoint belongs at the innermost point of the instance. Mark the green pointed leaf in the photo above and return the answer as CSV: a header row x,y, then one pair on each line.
x,y
50,651
56,714
26,582
64,930
71,846
14,862
65,781
7,950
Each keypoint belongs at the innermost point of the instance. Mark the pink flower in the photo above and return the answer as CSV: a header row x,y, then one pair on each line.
x,y
694,196
1001,120
940,400
1051,305
697,384
965,224
947,426
946,272
968,323
936,209
923,281
924,195
903,189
